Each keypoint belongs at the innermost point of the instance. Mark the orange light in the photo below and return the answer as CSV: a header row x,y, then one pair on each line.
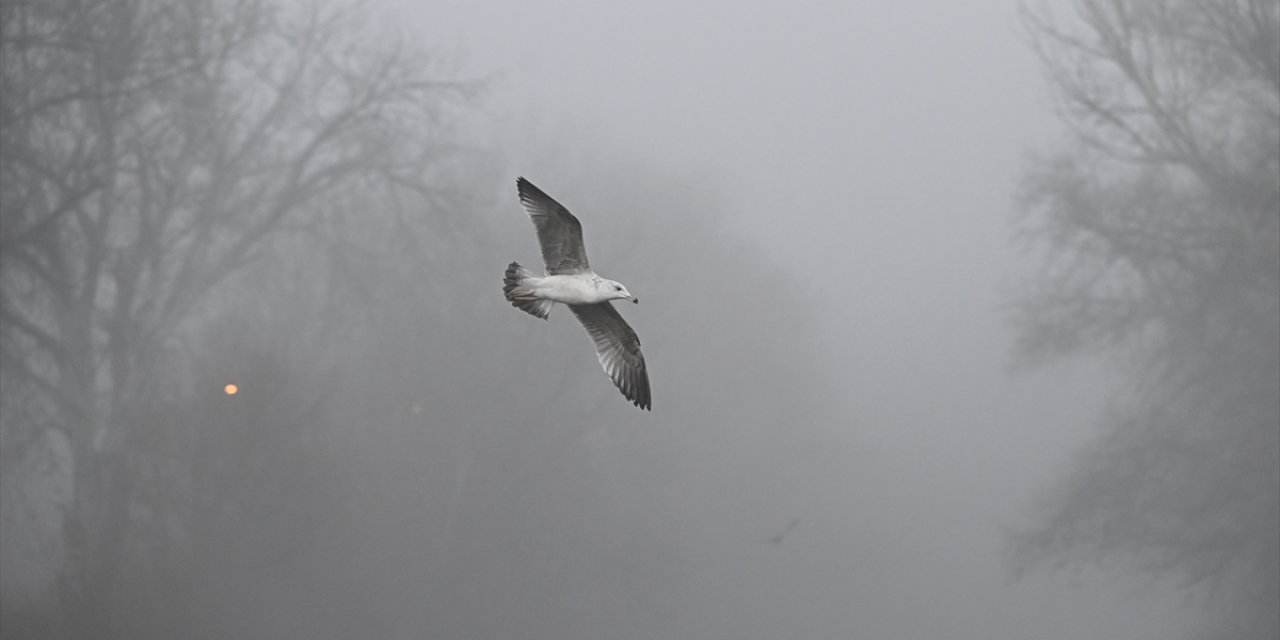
x,y
231,389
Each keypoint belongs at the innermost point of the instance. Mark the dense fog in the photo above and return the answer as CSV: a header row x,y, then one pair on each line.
x,y
817,205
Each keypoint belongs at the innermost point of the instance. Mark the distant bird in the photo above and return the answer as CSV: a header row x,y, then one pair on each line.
x,y
777,539
570,280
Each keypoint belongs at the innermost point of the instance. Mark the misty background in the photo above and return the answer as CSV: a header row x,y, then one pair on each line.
x,y
850,260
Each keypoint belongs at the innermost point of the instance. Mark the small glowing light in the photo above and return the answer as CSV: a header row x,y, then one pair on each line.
x,y
231,389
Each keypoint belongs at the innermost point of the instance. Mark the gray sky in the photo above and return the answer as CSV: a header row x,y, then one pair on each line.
x,y
872,149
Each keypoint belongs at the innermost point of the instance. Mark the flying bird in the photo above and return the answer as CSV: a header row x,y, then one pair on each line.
x,y
570,280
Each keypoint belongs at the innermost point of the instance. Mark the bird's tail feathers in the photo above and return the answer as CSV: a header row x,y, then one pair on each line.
x,y
514,287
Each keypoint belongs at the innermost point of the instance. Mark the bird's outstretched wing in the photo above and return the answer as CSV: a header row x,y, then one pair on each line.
x,y
559,233
618,349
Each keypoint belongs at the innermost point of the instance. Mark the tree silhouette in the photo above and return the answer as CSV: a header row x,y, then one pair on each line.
x,y
1160,229
150,154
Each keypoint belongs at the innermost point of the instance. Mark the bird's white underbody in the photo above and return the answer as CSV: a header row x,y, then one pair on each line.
x,y
575,289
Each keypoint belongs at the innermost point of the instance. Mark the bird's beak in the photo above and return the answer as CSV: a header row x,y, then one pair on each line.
x,y
635,300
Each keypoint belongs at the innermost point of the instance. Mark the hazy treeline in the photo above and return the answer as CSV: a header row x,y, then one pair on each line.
x,y
1161,227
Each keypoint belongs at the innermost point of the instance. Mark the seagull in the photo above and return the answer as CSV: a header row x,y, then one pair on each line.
x,y
570,280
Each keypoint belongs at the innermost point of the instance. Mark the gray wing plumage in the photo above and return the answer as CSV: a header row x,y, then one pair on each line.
x,y
559,233
618,349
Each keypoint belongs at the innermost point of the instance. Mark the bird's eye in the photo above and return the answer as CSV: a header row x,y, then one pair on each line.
x,y
618,288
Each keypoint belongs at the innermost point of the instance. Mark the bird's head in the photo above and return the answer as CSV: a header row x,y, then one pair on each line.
x,y
619,292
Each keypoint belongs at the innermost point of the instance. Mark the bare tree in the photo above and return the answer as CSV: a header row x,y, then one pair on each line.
x,y
149,153
1160,228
